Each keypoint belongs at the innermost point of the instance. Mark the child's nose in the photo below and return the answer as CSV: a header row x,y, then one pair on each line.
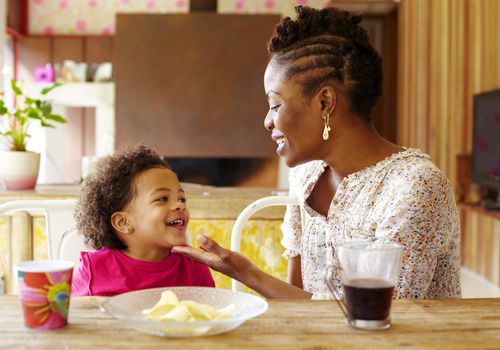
x,y
179,206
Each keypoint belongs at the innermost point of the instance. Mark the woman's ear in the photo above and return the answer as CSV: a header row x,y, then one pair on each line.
x,y
328,99
121,222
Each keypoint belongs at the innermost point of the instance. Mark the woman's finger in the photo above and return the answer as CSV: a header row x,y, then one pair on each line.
x,y
204,257
209,245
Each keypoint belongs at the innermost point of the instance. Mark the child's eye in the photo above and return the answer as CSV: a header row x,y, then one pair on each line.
x,y
275,108
182,200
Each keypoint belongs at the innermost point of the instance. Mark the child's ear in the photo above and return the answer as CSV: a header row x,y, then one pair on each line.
x,y
121,223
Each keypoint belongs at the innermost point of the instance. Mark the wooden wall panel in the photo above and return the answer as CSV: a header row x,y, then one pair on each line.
x,y
192,94
67,49
384,114
481,242
99,50
449,50
33,52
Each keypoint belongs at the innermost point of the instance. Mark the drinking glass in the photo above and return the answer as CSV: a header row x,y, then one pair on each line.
x,y
369,272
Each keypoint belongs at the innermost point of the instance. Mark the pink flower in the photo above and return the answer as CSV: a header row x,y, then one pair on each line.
x,y
108,30
239,5
37,2
180,4
151,4
93,3
269,4
81,25
302,2
48,30
125,2
63,5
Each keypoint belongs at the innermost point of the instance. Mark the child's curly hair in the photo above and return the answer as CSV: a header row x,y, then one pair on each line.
x,y
329,45
109,190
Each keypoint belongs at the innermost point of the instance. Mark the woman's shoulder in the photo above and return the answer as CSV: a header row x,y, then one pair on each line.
x,y
415,168
416,180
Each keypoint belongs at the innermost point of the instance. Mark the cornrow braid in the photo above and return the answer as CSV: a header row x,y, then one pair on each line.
x,y
329,45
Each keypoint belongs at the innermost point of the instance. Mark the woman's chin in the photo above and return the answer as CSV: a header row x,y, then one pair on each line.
x,y
290,161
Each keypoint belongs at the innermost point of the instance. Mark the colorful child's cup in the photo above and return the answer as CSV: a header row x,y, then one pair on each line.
x,y
44,290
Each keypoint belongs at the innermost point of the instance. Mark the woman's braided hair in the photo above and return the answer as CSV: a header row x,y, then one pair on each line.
x,y
328,45
109,190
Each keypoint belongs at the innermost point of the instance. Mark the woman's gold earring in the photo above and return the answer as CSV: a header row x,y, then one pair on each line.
x,y
326,129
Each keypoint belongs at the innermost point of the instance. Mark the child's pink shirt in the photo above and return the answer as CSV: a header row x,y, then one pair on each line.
x,y
108,272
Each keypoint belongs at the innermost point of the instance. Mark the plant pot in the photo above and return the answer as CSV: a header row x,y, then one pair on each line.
x,y
19,170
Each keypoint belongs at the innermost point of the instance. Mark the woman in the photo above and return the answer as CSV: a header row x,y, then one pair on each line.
x,y
322,82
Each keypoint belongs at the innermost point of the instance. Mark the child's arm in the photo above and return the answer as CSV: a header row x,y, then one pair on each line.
x,y
238,267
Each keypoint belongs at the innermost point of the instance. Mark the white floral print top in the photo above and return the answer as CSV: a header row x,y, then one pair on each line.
x,y
403,199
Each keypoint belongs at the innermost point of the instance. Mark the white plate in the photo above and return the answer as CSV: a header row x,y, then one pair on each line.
x,y
128,308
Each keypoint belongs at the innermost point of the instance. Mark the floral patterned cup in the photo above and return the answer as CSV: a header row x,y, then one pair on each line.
x,y
44,290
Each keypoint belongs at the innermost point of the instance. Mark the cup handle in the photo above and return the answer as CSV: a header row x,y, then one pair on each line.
x,y
330,269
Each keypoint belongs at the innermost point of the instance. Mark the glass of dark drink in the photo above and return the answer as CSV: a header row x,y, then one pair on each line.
x,y
369,272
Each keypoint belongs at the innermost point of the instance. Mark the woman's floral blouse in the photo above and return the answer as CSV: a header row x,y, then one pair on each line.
x,y
403,199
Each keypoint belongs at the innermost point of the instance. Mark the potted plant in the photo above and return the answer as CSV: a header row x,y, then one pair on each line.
x,y
18,166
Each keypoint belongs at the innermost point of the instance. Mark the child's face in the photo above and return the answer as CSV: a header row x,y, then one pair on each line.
x,y
157,212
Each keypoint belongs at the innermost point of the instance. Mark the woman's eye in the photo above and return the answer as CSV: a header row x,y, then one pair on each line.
x,y
182,200
163,199
275,108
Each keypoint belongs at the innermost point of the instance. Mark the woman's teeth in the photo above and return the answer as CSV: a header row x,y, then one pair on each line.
x,y
280,140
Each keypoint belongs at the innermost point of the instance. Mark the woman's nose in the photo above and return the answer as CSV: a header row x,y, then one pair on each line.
x,y
268,122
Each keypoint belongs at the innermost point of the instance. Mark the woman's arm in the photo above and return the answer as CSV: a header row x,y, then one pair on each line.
x,y
295,272
238,267
422,217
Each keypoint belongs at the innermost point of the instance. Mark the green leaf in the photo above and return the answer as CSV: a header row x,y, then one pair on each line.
x,y
46,107
56,118
3,109
33,113
49,88
16,88
47,125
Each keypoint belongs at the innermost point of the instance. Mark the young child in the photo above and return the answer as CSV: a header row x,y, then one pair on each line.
x,y
133,211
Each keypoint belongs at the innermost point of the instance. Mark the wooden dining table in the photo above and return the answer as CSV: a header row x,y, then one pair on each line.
x,y
287,324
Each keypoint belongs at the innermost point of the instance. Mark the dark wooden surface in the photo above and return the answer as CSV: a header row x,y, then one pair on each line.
x,y
191,85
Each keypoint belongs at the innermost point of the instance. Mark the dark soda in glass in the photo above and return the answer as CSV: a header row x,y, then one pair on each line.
x,y
368,298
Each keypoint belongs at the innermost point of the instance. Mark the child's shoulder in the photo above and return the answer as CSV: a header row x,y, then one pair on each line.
x,y
97,255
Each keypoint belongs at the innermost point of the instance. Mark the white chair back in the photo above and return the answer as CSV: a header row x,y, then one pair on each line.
x,y
63,242
243,217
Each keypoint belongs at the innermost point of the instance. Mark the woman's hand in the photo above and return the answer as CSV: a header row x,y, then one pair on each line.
x,y
238,267
232,264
